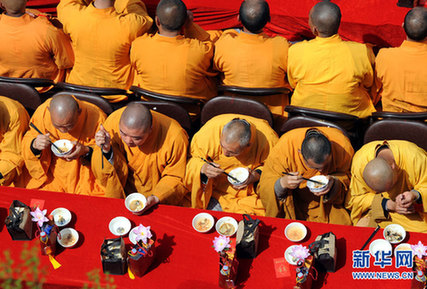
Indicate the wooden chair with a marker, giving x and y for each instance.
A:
(26, 95)
(102, 103)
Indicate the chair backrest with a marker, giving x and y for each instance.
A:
(92, 98)
(414, 116)
(172, 110)
(165, 97)
(389, 129)
(26, 95)
(100, 91)
(226, 104)
(33, 82)
(308, 121)
(223, 89)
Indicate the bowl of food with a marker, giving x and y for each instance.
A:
(319, 185)
(203, 222)
(64, 146)
(61, 217)
(119, 226)
(135, 203)
(240, 174)
(394, 233)
(403, 247)
(379, 245)
(295, 232)
(288, 256)
(68, 237)
(226, 226)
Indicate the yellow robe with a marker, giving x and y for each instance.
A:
(101, 40)
(402, 77)
(331, 74)
(157, 168)
(412, 163)
(49, 172)
(206, 143)
(300, 203)
(13, 124)
(33, 48)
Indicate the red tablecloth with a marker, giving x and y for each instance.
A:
(185, 259)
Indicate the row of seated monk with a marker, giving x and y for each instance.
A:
(182, 59)
(138, 150)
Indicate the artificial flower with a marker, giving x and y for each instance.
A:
(143, 233)
(419, 250)
(221, 243)
(39, 216)
(299, 252)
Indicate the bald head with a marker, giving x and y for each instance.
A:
(326, 18)
(171, 14)
(64, 112)
(237, 131)
(415, 24)
(378, 175)
(14, 7)
(315, 146)
(254, 15)
(136, 116)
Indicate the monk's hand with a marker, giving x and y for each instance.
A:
(253, 178)
(291, 182)
(151, 202)
(103, 139)
(77, 151)
(405, 202)
(41, 142)
(331, 181)
(211, 171)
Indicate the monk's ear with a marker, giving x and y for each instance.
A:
(238, 18)
(156, 19)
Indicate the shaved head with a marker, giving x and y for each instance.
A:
(14, 6)
(237, 131)
(64, 112)
(171, 14)
(378, 175)
(136, 116)
(415, 24)
(315, 146)
(326, 18)
(254, 15)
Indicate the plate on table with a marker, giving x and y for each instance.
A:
(119, 226)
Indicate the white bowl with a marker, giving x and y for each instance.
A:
(379, 245)
(203, 222)
(61, 217)
(135, 203)
(226, 226)
(64, 145)
(295, 232)
(242, 174)
(68, 237)
(288, 256)
(394, 233)
(119, 226)
(403, 247)
(314, 187)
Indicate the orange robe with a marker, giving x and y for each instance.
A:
(101, 40)
(13, 124)
(402, 77)
(177, 65)
(331, 74)
(49, 172)
(301, 203)
(33, 48)
(206, 143)
(157, 168)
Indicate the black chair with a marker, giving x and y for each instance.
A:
(307, 121)
(411, 116)
(44, 87)
(92, 98)
(226, 104)
(246, 91)
(24, 94)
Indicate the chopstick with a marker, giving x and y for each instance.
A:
(57, 148)
(370, 237)
(228, 175)
(308, 180)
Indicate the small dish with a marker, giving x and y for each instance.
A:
(61, 217)
(132, 235)
(403, 247)
(394, 233)
(315, 187)
(226, 226)
(203, 222)
(242, 174)
(64, 145)
(295, 232)
(135, 203)
(288, 256)
(119, 226)
(379, 245)
(67, 237)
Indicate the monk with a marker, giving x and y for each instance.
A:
(143, 151)
(389, 185)
(101, 33)
(170, 63)
(63, 117)
(251, 58)
(31, 47)
(229, 141)
(304, 153)
(401, 71)
(328, 73)
(13, 124)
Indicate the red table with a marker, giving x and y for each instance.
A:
(185, 259)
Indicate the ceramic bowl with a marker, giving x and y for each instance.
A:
(394, 233)
(119, 226)
(68, 237)
(226, 226)
(203, 222)
(61, 217)
(64, 145)
(315, 187)
(135, 203)
(379, 245)
(288, 256)
(295, 232)
(242, 174)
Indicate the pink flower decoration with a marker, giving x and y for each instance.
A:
(39, 216)
(143, 234)
(419, 250)
(300, 252)
(221, 243)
